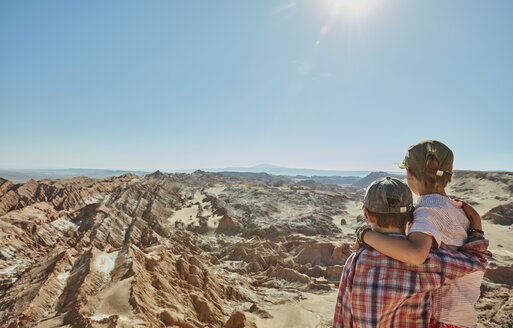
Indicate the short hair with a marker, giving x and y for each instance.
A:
(429, 177)
(397, 220)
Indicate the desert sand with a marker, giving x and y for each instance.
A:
(204, 250)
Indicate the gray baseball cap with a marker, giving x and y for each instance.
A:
(417, 154)
(378, 192)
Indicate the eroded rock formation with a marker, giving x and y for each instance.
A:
(198, 250)
(160, 250)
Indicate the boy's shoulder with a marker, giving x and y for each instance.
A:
(369, 262)
(369, 257)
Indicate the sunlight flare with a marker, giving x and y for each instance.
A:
(352, 8)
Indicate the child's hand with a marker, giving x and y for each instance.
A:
(472, 215)
(356, 246)
(360, 231)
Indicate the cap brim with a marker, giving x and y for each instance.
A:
(400, 165)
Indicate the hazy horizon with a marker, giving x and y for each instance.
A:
(253, 168)
(328, 85)
(392, 168)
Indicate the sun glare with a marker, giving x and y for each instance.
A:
(352, 8)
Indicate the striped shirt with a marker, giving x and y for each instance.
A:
(441, 218)
(378, 291)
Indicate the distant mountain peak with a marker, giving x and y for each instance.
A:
(266, 166)
(366, 181)
(156, 174)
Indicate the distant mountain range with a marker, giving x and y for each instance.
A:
(279, 170)
(21, 176)
(258, 172)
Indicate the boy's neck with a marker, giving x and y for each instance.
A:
(397, 230)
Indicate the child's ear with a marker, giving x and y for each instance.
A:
(369, 216)
(408, 175)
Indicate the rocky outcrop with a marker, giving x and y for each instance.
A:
(238, 320)
(500, 274)
(502, 214)
(324, 254)
(228, 225)
(5, 185)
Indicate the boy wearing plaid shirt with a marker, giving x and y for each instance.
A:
(378, 291)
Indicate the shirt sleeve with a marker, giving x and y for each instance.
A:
(424, 221)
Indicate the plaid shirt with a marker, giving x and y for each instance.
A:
(378, 291)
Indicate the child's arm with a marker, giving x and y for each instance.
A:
(412, 250)
(415, 249)
(473, 216)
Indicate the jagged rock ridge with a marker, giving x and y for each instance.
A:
(160, 250)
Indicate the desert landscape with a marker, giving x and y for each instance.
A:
(204, 163)
(205, 249)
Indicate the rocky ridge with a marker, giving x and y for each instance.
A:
(160, 250)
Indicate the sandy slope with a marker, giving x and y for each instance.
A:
(311, 310)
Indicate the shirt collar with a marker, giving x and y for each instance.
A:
(432, 198)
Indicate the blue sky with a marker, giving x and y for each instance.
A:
(328, 84)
